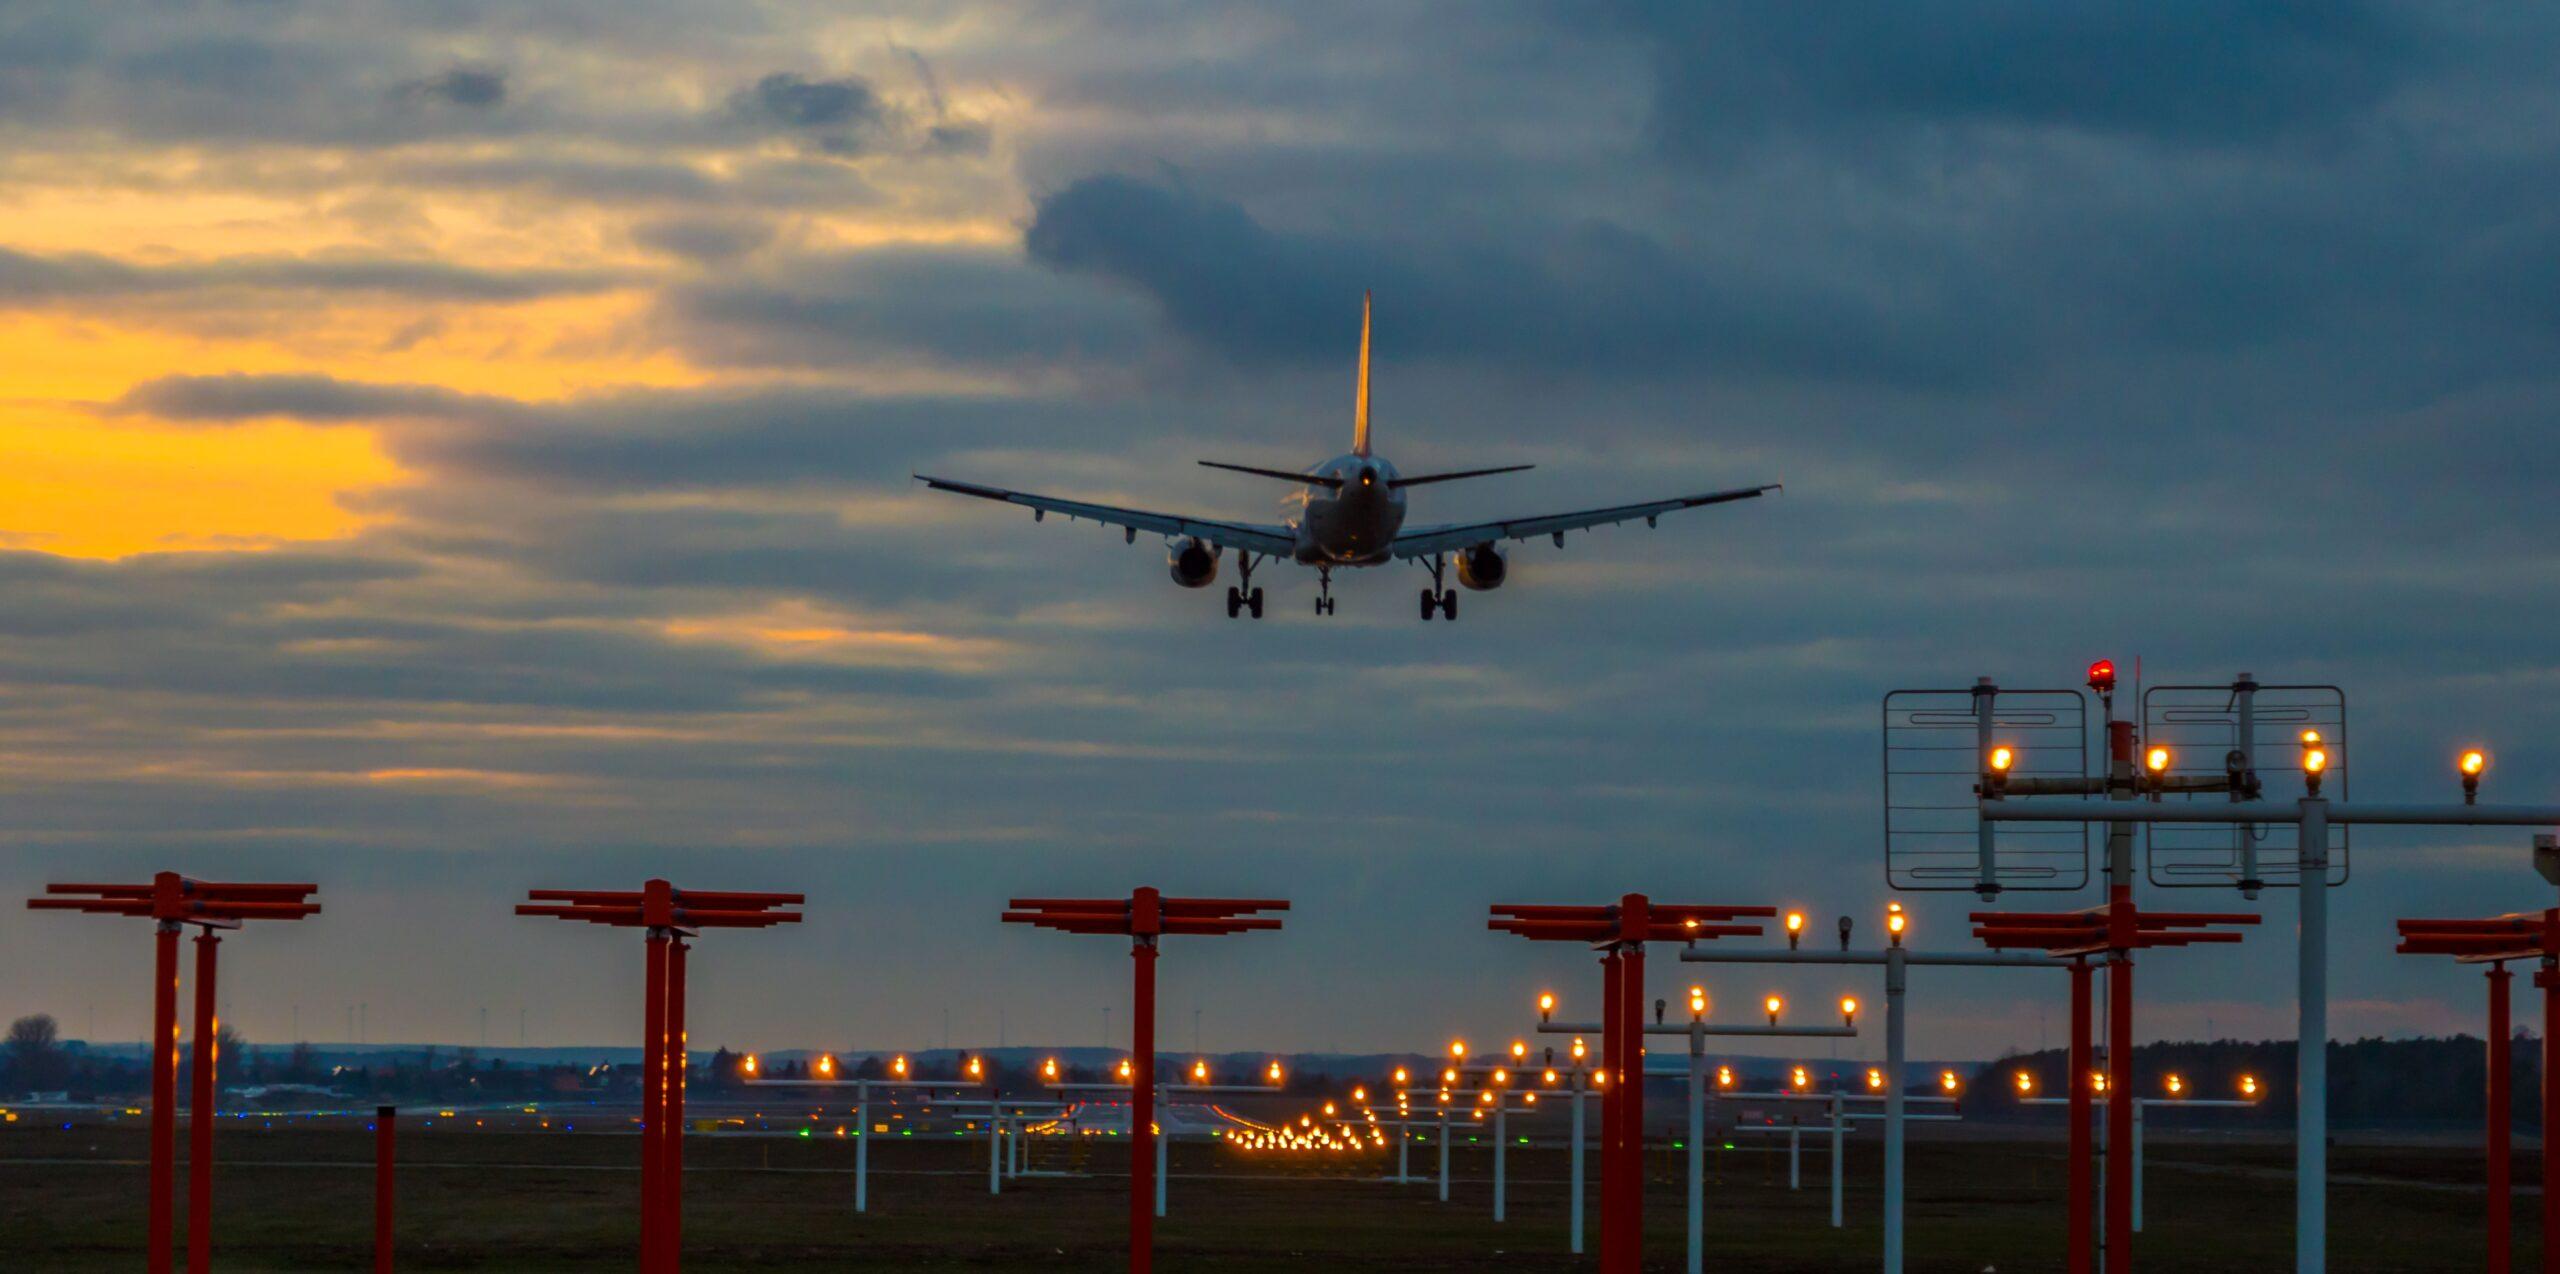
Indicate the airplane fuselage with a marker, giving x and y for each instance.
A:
(1354, 524)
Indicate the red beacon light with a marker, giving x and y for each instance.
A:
(2102, 676)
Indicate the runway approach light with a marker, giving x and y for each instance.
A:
(749, 1066)
(1577, 1048)
(1359, 1094)
(977, 1067)
(1895, 922)
(2097, 1081)
(1724, 1077)
(1546, 1005)
(1199, 1070)
(1795, 929)
(898, 1066)
(1996, 766)
(1875, 1079)
(2472, 764)
(1519, 1050)
(1697, 1002)
(2315, 762)
(1802, 1078)
(1849, 1010)
(2248, 1085)
(1449, 1076)
(1274, 1072)
(1400, 1077)
(2102, 676)
(2177, 1087)
(1458, 1049)
(1774, 1005)
(1049, 1070)
(1126, 1070)
(827, 1067)
(1501, 1076)
(2026, 1083)
(2156, 760)
(1947, 1080)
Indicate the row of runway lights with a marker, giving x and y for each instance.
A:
(1344, 1137)
(2317, 755)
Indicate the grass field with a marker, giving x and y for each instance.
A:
(300, 1199)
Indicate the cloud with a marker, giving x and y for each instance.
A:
(29, 278)
(1592, 293)
(473, 88)
(795, 101)
(2181, 73)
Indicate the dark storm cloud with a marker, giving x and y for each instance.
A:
(233, 397)
(962, 307)
(704, 238)
(652, 440)
(30, 279)
(2185, 72)
(474, 88)
(1591, 293)
(796, 101)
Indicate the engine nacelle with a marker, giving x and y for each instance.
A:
(1482, 567)
(1194, 564)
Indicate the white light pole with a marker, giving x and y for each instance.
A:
(2313, 815)
(1697, 1031)
(1896, 961)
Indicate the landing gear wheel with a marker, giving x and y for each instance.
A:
(1324, 591)
(1253, 602)
(1430, 603)
(1235, 601)
(1449, 605)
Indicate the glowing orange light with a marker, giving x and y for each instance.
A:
(2003, 757)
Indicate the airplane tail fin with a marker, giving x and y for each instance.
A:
(1360, 413)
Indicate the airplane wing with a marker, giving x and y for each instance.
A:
(1423, 541)
(1275, 541)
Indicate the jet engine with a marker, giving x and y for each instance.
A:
(1482, 567)
(1194, 563)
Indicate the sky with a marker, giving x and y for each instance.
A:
(449, 448)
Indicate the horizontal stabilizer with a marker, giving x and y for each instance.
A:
(1308, 479)
(1452, 477)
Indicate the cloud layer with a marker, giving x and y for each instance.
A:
(607, 336)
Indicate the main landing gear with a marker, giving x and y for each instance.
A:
(1437, 597)
(1245, 597)
(1324, 590)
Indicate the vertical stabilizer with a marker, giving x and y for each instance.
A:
(1360, 413)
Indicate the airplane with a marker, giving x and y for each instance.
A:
(1351, 515)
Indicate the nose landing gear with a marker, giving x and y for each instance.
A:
(1244, 596)
(1324, 590)
(1437, 597)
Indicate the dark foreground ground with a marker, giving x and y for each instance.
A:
(301, 1199)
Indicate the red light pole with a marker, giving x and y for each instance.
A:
(2114, 932)
(173, 901)
(1144, 916)
(2530, 936)
(1619, 931)
(670, 915)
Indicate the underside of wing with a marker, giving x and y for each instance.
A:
(1243, 536)
(1423, 541)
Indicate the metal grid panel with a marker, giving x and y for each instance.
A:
(2200, 725)
(1932, 761)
